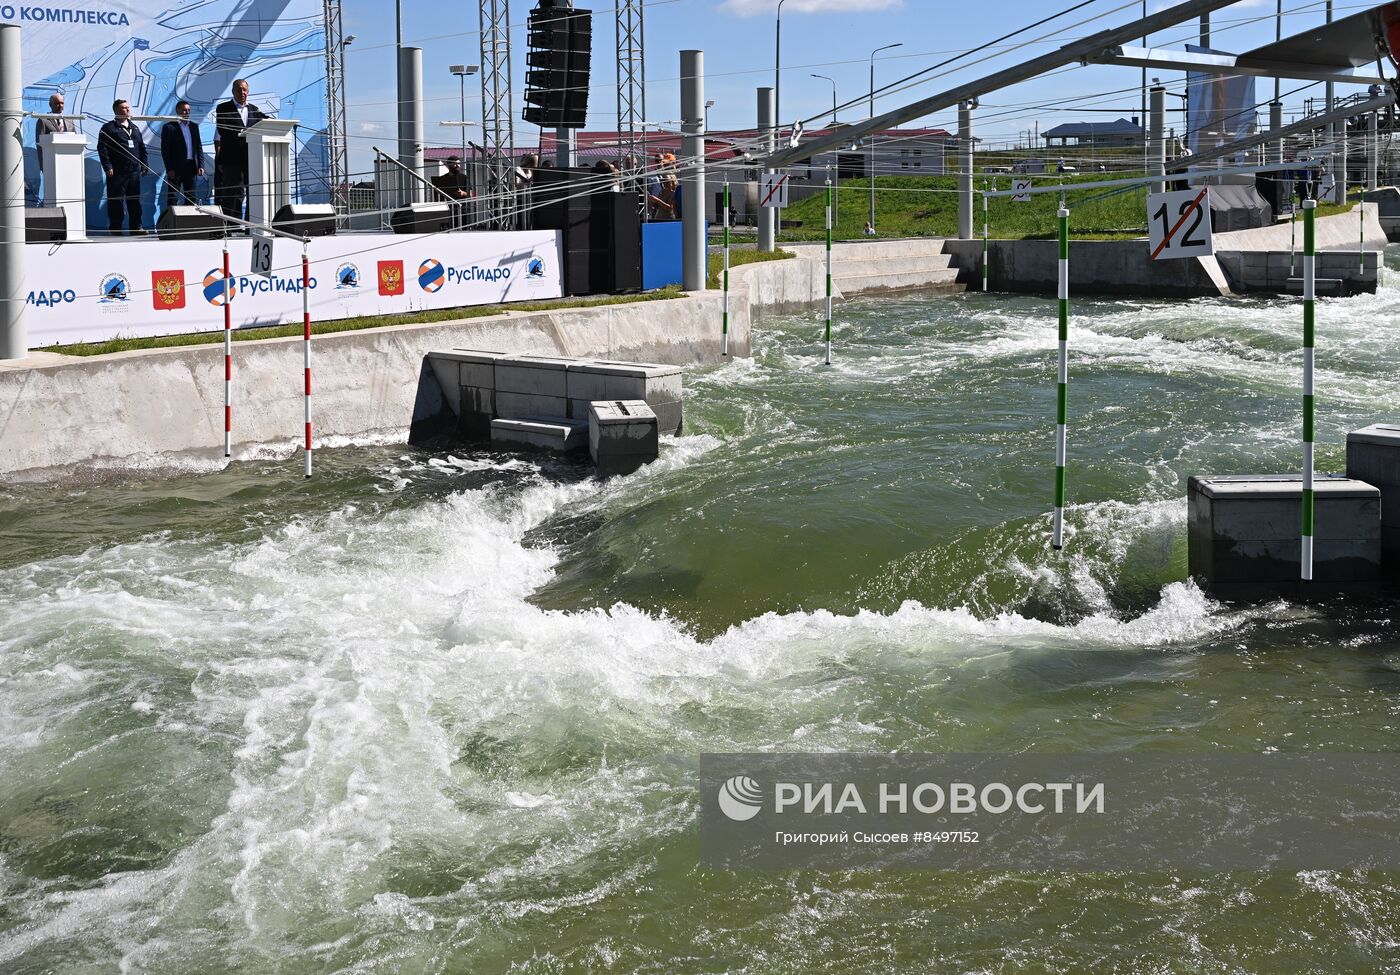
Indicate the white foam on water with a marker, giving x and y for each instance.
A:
(353, 656)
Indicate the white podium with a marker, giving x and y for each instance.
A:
(64, 179)
(269, 168)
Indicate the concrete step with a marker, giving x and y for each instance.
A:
(872, 249)
(889, 265)
(540, 432)
(934, 279)
(1323, 286)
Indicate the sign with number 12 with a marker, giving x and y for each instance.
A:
(1178, 224)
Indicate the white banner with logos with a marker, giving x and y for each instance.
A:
(98, 290)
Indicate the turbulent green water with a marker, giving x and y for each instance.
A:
(439, 711)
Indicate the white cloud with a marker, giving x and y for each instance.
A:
(754, 8)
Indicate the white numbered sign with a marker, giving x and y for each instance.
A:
(1178, 224)
(773, 190)
(1022, 187)
(262, 256)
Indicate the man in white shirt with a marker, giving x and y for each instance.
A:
(182, 151)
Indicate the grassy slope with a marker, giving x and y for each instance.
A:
(927, 206)
(737, 257)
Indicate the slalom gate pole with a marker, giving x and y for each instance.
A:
(306, 345)
(1292, 243)
(986, 246)
(828, 267)
(1062, 388)
(724, 333)
(1361, 238)
(1309, 312)
(228, 356)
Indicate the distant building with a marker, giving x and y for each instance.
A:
(1118, 133)
(896, 152)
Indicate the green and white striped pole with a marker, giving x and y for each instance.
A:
(1062, 390)
(724, 339)
(828, 266)
(1293, 243)
(1309, 312)
(986, 247)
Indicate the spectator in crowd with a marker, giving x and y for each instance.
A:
(122, 152)
(454, 185)
(182, 152)
(231, 118)
(869, 229)
(606, 171)
(525, 172)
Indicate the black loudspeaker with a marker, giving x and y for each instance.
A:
(190, 223)
(306, 219)
(602, 231)
(422, 218)
(45, 225)
(560, 41)
(625, 224)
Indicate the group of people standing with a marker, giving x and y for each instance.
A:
(121, 151)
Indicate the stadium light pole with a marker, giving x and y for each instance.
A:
(778, 70)
(872, 135)
(463, 72)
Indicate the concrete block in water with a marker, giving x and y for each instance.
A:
(540, 433)
(1243, 534)
(656, 385)
(622, 435)
(467, 378)
(1373, 456)
(533, 374)
(530, 404)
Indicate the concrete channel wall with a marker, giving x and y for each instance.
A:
(1248, 261)
(163, 408)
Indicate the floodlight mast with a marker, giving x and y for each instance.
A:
(1083, 50)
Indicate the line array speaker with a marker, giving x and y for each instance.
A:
(560, 40)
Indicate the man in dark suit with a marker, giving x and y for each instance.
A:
(122, 152)
(43, 127)
(183, 154)
(231, 149)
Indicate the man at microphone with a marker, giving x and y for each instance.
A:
(231, 118)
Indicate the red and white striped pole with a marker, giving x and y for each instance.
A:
(306, 344)
(228, 356)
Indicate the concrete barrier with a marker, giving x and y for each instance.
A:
(66, 417)
(1243, 535)
(1096, 267)
(1373, 455)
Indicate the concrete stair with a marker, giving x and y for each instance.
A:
(887, 265)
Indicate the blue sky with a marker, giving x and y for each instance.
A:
(831, 37)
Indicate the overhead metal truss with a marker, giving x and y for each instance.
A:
(1232, 64)
(337, 142)
(1326, 52)
(497, 113)
(631, 86)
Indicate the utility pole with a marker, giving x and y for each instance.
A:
(765, 133)
(14, 341)
(693, 250)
